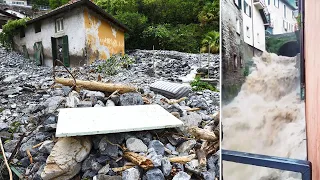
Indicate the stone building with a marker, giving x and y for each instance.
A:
(232, 48)
(77, 33)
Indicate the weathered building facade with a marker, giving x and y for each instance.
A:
(77, 33)
(232, 48)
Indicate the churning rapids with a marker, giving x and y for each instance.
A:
(267, 117)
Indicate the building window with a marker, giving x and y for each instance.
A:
(235, 62)
(241, 62)
(238, 3)
(284, 11)
(248, 32)
(22, 33)
(238, 25)
(276, 3)
(247, 9)
(59, 25)
(37, 27)
(269, 2)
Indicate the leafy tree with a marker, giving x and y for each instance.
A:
(57, 3)
(210, 13)
(40, 2)
(211, 42)
(136, 23)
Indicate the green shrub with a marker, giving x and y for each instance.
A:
(112, 65)
(198, 85)
(9, 30)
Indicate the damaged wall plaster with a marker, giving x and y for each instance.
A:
(102, 39)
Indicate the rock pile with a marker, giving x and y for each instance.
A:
(29, 108)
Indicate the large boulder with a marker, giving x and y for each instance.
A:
(64, 161)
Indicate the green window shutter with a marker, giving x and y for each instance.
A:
(65, 51)
(54, 49)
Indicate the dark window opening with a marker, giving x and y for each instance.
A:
(22, 33)
(235, 62)
(37, 27)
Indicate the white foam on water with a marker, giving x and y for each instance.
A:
(267, 117)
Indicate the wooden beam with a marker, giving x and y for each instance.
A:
(312, 66)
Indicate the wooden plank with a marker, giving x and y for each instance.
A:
(312, 66)
(104, 120)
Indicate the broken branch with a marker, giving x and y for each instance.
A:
(97, 86)
(193, 109)
(37, 145)
(174, 101)
(139, 160)
(182, 159)
(5, 160)
(202, 134)
(202, 157)
(123, 168)
(30, 156)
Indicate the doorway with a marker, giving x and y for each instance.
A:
(60, 50)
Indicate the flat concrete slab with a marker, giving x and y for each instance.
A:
(104, 120)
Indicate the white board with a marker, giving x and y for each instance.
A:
(104, 120)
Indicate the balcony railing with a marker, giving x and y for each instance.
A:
(294, 165)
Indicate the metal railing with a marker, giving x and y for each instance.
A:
(294, 165)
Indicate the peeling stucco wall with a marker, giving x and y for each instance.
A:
(102, 38)
(73, 28)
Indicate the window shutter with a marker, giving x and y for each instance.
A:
(65, 51)
(54, 49)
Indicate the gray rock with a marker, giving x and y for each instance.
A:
(87, 163)
(10, 145)
(89, 174)
(4, 127)
(154, 174)
(181, 176)
(157, 146)
(136, 145)
(53, 103)
(129, 99)
(213, 160)
(95, 166)
(28, 146)
(166, 166)
(97, 94)
(208, 175)
(193, 166)
(107, 148)
(156, 160)
(186, 146)
(106, 177)
(131, 174)
(46, 147)
(193, 119)
(110, 103)
(85, 104)
(72, 100)
(10, 79)
(105, 169)
(52, 119)
(10, 92)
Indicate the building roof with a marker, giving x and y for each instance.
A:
(8, 14)
(74, 4)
